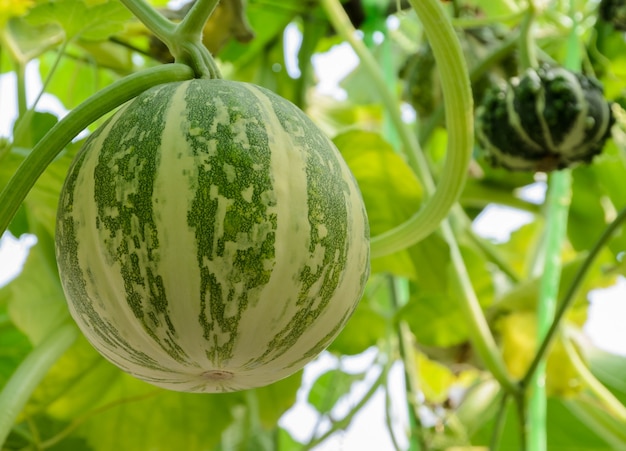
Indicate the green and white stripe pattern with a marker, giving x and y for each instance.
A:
(210, 238)
(549, 118)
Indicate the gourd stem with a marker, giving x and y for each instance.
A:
(528, 54)
(187, 40)
(71, 125)
(184, 40)
(194, 21)
(459, 115)
(29, 374)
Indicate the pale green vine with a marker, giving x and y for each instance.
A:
(459, 118)
(184, 40)
(71, 125)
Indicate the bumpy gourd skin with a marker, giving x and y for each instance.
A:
(546, 119)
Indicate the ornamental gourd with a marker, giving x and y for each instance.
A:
(548, 118)
(210, 238)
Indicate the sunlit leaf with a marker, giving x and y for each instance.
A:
(133, 415)
(390, 190)
(29, 41)
(78, 19)
(276, 398)
(38, 308)
(74, 80)
(362, 331)
(586, 215)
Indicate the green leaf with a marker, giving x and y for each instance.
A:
(135, 416)
(363, 330)
(14, 346)
(75, 385)
(285, 442)
(28, 41)
(390, 191)
(524, 295)
(586, 214)
(435, 320)
(38, 125)
(37, 308)
(268, 23)
(43, 199)
(74, 80)
(275, 399)
(97, 22)
(565, 431)
(330, 387)
(609, 368)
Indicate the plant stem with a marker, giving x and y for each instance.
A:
(479, 332)
(194, 21)
(23, 124)
(570, 296)
(71, 125)
(29, 374)
(486, 63)
(20, 79)
(417, 441)
(608, 400)
(345, 421)
(528, 55)
(498, 426)
(186, 42)
(559, 197)
(459, 115)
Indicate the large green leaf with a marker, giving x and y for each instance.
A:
(586, 215)
(74, 80)
(37, 308)
(364, 329)
(390, 190)
(77, 18)
(29, 41)
(565, 431)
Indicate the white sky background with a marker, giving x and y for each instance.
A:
(368, 431)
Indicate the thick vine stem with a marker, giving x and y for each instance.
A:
(29, 374)
(160, 26)
(184, 40)
(76, 121)
(459, 118)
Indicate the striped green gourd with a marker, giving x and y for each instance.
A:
(210, 238)
(546, 119)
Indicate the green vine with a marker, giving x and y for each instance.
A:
(71, 125)
(459, 117)
(184, 40)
